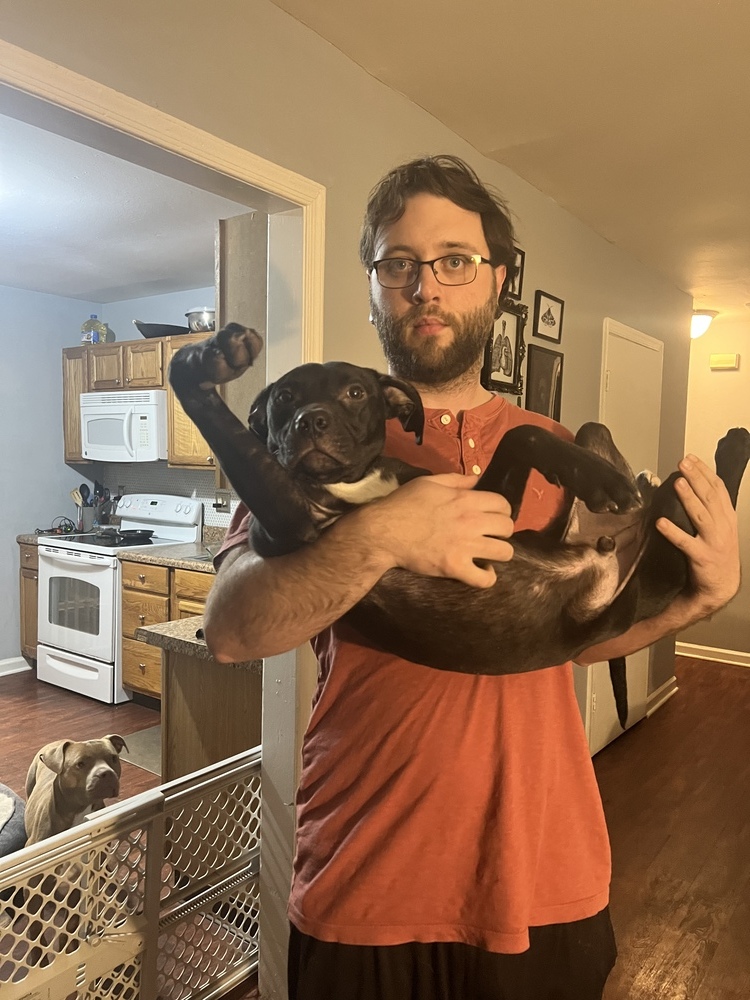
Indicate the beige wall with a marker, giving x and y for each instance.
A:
(717, 401)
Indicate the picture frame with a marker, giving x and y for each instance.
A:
(548, 316)
(515, 288)
(544, 373)
(505, 350)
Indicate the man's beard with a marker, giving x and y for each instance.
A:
(427, 362)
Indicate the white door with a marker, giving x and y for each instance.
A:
(630, 405)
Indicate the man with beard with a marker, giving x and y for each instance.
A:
(450, 840)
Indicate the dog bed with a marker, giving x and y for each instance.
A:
(12, 829)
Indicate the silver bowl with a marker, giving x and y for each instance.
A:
(201, 320)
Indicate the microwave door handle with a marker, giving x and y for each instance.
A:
(128, 428)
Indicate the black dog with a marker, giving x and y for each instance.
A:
(313, 452)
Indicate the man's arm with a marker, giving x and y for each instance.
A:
(714, 558)
(435, 525)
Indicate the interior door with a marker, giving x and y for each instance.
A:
(630, 405)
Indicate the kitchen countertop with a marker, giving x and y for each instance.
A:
(187, 556)
(179, 637)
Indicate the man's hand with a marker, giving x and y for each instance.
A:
(439, 525)
(713, 554)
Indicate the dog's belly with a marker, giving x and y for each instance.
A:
(538, 614)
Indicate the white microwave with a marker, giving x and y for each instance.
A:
(124, 426)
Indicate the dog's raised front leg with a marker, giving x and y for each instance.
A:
(268, 489)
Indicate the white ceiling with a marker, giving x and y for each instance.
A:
(83, 224)
(631, 114)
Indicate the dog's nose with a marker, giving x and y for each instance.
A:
(312, 420)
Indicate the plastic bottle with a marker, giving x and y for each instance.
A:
(93, 331)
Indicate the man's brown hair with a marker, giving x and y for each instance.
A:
(446, 177)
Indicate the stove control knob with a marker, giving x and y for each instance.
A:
(187, 509)
(178, 508)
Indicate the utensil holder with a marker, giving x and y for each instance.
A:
(87, 518)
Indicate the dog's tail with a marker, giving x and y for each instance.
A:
(618, 676)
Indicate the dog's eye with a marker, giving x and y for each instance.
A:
(284, 396)
(355, 392)
(80, 764)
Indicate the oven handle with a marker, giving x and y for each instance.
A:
(67, 555)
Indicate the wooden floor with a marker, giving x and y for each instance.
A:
(676, 791)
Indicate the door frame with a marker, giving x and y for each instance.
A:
(50, 96)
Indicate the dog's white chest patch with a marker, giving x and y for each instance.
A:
(371, 487)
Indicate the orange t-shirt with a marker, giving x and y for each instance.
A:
(439, 806)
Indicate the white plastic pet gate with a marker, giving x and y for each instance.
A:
(154, 897)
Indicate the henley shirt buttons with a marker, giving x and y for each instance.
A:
(445, 419)
(471, 443)
(476, 469)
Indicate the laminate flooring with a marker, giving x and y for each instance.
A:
(676, 792)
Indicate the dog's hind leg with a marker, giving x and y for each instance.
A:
(594, 479)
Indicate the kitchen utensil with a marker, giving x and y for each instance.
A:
(75, 496)
(150, 330)
(136, 534)
(85, 494)
(201, 320)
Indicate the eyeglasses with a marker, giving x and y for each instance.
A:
(401, 272)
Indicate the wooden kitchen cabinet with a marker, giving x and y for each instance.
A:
(106, 367)
(145, 601)
(29, 585)
(186, 447)
(152, 595)
(75, 369)
(143, 364)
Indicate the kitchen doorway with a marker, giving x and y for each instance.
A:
(48, 96)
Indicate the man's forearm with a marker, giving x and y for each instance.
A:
(685, 610)
(260, 607)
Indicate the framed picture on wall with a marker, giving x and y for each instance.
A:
(515, 287)
(505, 350)
(548, 316)
(544, 372)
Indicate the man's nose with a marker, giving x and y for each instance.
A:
(427, 286)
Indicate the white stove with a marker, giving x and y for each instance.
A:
(80, 593)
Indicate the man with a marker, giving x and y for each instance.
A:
(451, 841)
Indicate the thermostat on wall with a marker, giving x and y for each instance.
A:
(724, 362)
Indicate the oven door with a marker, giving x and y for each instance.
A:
(77, 601)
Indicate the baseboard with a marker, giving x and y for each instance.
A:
(13, 665)
(734, 656)
(661, 696)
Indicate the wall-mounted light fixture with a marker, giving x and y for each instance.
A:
(702, 319)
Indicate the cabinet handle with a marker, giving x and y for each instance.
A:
(141, 618)
(127, 380)
(210, 459)
(143, 667)
(27, 555)
(142, 577)
(35, 578)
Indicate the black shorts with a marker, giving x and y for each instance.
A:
(563, 962)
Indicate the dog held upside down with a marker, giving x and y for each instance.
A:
(312, 452)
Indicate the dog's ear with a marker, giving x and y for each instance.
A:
(258, 419)
(118, 743)
(403, 401)
(54, 758)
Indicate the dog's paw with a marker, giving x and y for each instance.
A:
(222, 358)
(607, 490)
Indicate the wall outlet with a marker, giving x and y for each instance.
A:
(222, 501)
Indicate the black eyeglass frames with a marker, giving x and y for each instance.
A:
(453, 269)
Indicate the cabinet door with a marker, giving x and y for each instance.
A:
(29, 596)
(75, 369)
(106, 367)
(141, 667)
(183, 607)
(142, 609)
(185, 446)
(143, 364)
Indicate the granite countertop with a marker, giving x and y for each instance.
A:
(179, 637)
(191, 555)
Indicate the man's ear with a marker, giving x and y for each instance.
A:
(403, 401)
(258, 419)
(501, 274)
